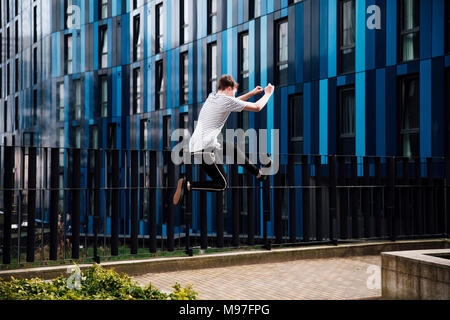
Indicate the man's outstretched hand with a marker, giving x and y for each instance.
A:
(257, 90)
(269, 89)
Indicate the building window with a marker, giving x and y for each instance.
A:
(243, 62)
(212, 67)
(212, 16)
(159, 84)
(184, 78)
(159, 26)
(103, 9)
(35, 65)
(77, 85)
(184, 21)
(16, 113)
(137, 3)
(35, 107)
(8, 43)
(7, 11)
(61, 146)
(103, 45)
(409, 116)
(16, 76)
(295, 124)
(409, 30)
(347, 18)
(1, 45)
(16, 7)
(346, 121)
(8, 79)
(68, 54)
(167, 127)
(93, 137)
(137, 39)
(104, 96)
(68, 13)
(77, 137)
(136, 91)
(254, 9)
(5, 115)
(281, 52)
(144, 134)
(35, 24)
(1, 81)
(112, 136)
(16, 40)
(60, 99)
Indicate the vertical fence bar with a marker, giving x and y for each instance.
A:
(202, 210)
(355, 199)
(54, 182)
(390, 208)
(76, 184)
(343, 199)
(97, 171)
(292, 202)
(266, 212)
(418, 195)
(306, 174)
(115, 202)
(447, 197)
(134, 201)
(8, 183)
(431, 210)
(250, 210)
(236, 205)
(153, 208)
(188, 213)
(170, 209)
(366, 199)
(278, 223)
(378, 200)
(333, 197)
(408, 213)
(219, 219)
(319, 197)
(31, 232)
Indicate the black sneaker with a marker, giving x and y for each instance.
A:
(181, 189)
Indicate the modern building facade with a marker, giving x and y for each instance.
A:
(353, 77)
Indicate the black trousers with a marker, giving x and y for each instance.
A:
(216, 171)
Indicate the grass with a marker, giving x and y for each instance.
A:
(86, 256)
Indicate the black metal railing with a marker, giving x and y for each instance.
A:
(68, 203)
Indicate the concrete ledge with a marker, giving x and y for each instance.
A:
(159, 265)
(413, 275)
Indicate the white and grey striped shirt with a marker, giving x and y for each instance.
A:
(211, 120)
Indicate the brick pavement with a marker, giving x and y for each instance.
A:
(308, 279)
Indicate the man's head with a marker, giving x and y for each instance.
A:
(227, 85)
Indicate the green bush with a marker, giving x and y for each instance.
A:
(96, 283)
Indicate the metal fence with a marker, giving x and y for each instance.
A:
(67, 203)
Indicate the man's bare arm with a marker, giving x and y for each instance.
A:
(259, 105)
(246, 96)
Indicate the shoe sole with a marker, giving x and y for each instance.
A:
(177, 195)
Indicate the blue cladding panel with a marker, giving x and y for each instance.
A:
(360, 35)
(323, 117)
(391, 32)
(438, 27)
(381, 112)
(360, 116)
(332, 36)
(425, 108)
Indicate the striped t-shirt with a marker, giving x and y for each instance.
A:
(211, 120)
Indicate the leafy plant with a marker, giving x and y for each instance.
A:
(96, 283)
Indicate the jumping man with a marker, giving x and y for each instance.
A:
(211, 120)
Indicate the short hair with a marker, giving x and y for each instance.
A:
(227, 81)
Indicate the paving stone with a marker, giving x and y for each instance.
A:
(307, 279)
